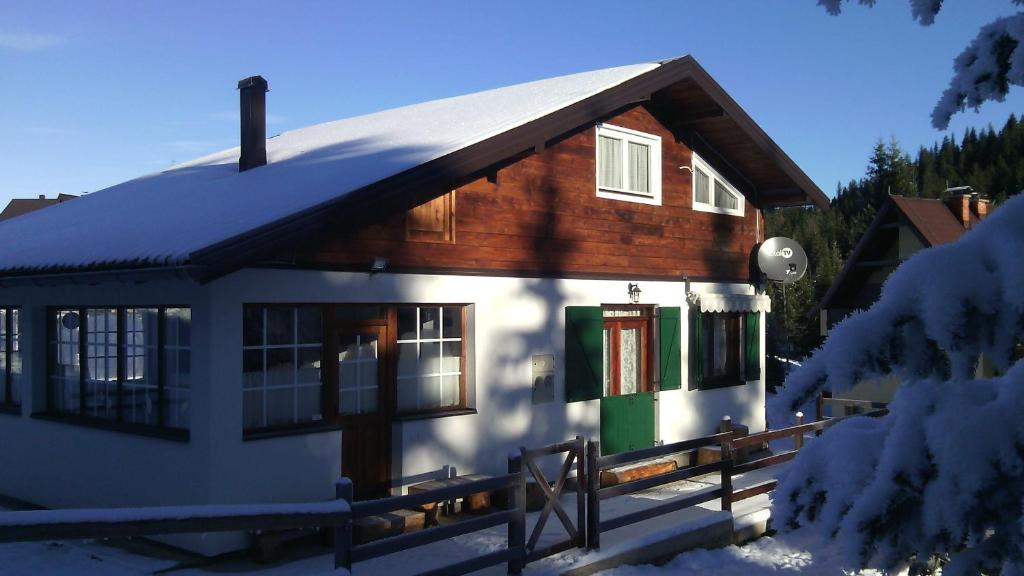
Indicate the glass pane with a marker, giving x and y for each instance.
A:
(252, 409)
(309, 403)
(252, 326)
(368, 374)
(178, 323)
(407, 323)
(408, 360)
(407, 395)
(348, 402)
(720, 343)
(452, 321)
(606, 348)
(139, 402)
(309, 365)
(609, 162)
(639, 167)
(430, 323)
(451, 359)
(280, 325)
(368, 347)
(252, 368)
(630, 355)
(310, 325)
(702, 184)
(430, 392)
(368, 400)
(430, 358)
(724, 198)
(450, 390)
(281, 367)
(280, 406)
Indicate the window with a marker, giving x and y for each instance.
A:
(433, 221)
(628, 165)
(431, 358)
(10, 357)
(712, 193)
(129, 365)
(725, 348)
(282, 351)
(625, 352)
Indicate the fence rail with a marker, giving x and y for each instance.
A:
(342, 512)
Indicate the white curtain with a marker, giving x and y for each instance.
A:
(609, 162)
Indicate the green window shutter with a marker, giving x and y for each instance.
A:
(752, 345)
(670, 348)
(584, 353)
(696, 348)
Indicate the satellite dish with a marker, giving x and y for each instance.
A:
(782, 260)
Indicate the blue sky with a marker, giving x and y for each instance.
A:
(95, 93)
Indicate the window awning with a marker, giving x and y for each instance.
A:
(735, 303)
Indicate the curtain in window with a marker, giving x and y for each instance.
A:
(639, 167)
(724, 198)
(609, 162)
(630, 350)
(703, 192)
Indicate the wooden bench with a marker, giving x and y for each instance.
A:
(475, 503)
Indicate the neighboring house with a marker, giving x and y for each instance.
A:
(901, 227)
(394, 295)
(19, 206)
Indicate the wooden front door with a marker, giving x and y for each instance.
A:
(627, 405)
(360, 373)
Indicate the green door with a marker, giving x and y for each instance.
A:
(627, 422)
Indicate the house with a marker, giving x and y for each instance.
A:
(19, 206)
(902, 226)
(396, 295)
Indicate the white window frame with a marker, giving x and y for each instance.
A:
(653, 197)
(714, 177)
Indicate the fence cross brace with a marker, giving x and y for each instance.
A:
(551, 497)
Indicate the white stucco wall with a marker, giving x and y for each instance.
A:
(59, 464)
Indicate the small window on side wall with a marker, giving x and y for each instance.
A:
(724, 349)
(712, 192)
(628, 165)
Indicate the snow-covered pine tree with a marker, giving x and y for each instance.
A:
(985, 70)
(941, 476)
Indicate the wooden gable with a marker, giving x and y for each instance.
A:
(540, 215)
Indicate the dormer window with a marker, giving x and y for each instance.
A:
(712, 192)
(628, 165)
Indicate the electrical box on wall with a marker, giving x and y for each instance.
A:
(543, 378)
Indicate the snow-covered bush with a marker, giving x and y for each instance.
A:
(942, 476)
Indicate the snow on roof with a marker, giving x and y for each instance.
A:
(160, 219)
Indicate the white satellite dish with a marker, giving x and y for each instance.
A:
(781, 259)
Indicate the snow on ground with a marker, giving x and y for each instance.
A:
(800, 552)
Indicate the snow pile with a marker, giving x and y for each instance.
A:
(943, 474)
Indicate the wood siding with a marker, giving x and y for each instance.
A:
(541, 216)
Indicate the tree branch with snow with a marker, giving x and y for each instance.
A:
(942, 476)
(985, 70)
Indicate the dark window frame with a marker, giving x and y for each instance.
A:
(160, 429)
(735, 343)
(8, 404)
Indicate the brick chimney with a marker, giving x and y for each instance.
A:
(253, 101)
(959, 203)
(980, 206)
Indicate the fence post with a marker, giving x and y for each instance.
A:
(726, 472)
(820, 408)
(798, 438)
(343, 532)
(593, 502)
(517, 526)
(581, 487)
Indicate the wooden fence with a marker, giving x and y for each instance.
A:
(342, 512)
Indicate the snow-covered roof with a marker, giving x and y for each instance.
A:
(163, 218)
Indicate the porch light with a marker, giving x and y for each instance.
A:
(634, 293)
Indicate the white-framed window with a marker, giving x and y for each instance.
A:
(712, 192)
(628, 165)
(431, 353)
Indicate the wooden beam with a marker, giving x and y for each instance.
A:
(700, 115)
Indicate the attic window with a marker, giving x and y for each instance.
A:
(712, 192)
(628, 165)
(433, 221)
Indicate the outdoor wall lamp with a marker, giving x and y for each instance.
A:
(634, 293)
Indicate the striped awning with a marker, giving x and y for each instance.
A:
(735, 303)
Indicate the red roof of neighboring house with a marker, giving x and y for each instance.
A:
(19, 206)
(933, 219)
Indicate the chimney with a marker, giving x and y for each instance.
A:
(959, 203)
(253, 101)
(979, 205)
